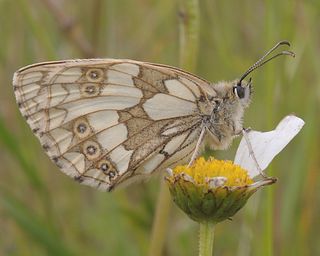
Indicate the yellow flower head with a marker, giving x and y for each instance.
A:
(201, 170)
(212, 190)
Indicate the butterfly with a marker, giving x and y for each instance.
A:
(109, 122)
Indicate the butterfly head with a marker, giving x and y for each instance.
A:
(231, 100)
(241, 88)
(227, 111)
(232, 96)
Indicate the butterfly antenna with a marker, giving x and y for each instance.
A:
(263, 59)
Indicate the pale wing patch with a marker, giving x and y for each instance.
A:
(151, 164)
(178, 150)
(62, 137)
(191, 85)
(186, 148)
(56, 117)
(94, 173)
(29, 91)
(86, 106)
(129, 68)
(113, 136)
(183, 152)
(123, 91)
(103, 119)
(50, 73)
(121, 157)
(70, 75)
(64, 92)
(72, 164)
(38, 122)
(34, 104)
(94, 178)
(116, 77)
(58, 94)
(31, 78)
(91, 173)
(177, 88)
(175, 143)
(90, 178)
(163, 106)
(182, 156)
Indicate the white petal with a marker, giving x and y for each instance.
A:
(266, 145)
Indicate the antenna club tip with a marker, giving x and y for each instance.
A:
(284, 42)
(290, 53)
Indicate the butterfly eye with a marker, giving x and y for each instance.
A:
(239, 91)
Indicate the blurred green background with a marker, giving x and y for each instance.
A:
(43, 212)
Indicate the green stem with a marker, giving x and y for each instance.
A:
(160, 221)
(206, 237)
(189, 34)
(267, 237)
(269, 222)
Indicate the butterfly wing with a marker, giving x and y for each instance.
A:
(105, 121)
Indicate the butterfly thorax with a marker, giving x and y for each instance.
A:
(225, 120)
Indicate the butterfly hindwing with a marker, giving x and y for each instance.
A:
(107, 121)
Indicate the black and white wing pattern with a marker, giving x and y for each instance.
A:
(105, 121)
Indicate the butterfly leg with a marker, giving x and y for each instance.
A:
(196, 150)
(245, 132)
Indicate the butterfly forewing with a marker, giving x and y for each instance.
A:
(105, 121)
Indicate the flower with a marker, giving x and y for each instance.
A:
(214, 190)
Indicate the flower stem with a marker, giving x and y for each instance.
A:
(206, 237)
(267, 215)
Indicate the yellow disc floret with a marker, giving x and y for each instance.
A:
(201, 170)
